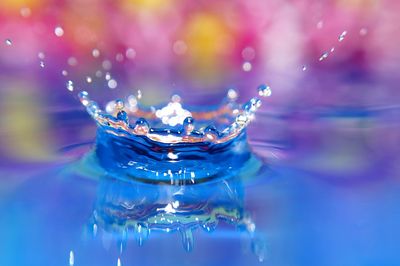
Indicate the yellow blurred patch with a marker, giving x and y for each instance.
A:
(209, 41)
(147, 6)
(15, 5)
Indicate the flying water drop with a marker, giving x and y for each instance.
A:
(41, 64)
(323, 56)
(70, 85)
(88, 79)
(112, 83)
(264, 90)
(342, 36)
(95, 53)
(247, 66)
(304, 68)
(8, 42)
(58, 31)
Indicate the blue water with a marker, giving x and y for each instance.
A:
(325, 195)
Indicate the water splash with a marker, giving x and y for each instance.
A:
(169, 143)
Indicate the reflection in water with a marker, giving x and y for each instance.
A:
(132, 210)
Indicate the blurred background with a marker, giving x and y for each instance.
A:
(333, 67)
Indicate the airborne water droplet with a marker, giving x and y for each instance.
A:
(88, 79)
(342, 36)
(58, 31)
(95, 53)
(304, 68)
(112, 84)
(8, 42)
(70, 85)
(41, 55)
(264, 90)
(323, 56)
(41, 64)
(247, 66)
(64, 73)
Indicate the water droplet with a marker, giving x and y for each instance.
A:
(188, 125)
(8, 42)
(41, 64)
(130, 53)
(323, 56)
(41, 55)
(107, 76)
(241, 119)
(264, 90)
(70, 85)
(119, 104)
(304, 68)
(88, 79)
(99, 73)
(332, 49)
(139, 94)
(232, 94)
(342, 36)
(175, 98)
(95, 53)
(84, 97)
(172, 156)
(211, 132)
(247, 66)
(64, 73)
(123, 116)
(71, 258)
(25, 12)
(248, 53)
(119, 262)
(142, 126)
(180, 47)
(58, 31)
(112, 84)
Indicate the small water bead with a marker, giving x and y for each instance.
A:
(112, 84)
(211, 133)
(119, 104)
(92, 108)
(175, 98)
(142, 126)
(323, 56)
(342, 36)
(98, 73)
(64, 73)
(139, 94)
(84, 97)
(264, 90)
(232, 94)
(70, 85)
(304, 68)
(247, 66)
(58, 31)
(332, 49)
(88, 79)
(95, 53)
(42, 65)
(242, 119)
(130, 53)
(8, 42)
(107, 76)
(188, 125)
